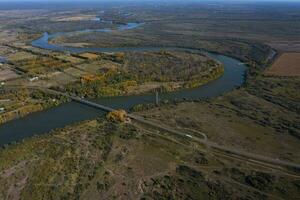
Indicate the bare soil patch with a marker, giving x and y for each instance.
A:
(288, 64)
(7, 74)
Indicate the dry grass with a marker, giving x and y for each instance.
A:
(62, 78)
(19, 56)
(74, 18)
(96, 66)
(89, 56)
(71, 59)
(229, 125)
(75, 72)
(288, 64)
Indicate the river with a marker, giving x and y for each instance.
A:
(72, 112)
(2, 60)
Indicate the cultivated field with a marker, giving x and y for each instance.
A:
(288, 64)
(19, 56)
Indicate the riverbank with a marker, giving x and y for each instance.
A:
(108, 75)
(262, 116)
(236, 137)
(18, 102)
(80, 74)
(115, 162)
(241, 119)
(71, 112)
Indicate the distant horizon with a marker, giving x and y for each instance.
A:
(96, 4)
(99, 1)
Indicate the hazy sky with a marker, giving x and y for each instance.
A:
(99, 1)
(140, 0)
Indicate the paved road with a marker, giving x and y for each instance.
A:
(228, 150)
(249, 156)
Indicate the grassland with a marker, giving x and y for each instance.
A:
(262, 116)
(131, 161)
(197, 20)
(100, 158)
(199, 26)
(128, 161)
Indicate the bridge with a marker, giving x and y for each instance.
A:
(227, 151)
(80, 100)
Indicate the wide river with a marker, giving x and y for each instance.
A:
(72, 112)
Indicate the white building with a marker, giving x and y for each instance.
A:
(34, 79)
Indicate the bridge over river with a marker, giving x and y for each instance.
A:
(234, 153)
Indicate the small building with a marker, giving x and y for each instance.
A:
(34, 79)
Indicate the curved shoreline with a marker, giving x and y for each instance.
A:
(43, 42)
(69, 113)
(72, 112)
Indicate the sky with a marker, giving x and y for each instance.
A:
(143, 0)
(181, 1)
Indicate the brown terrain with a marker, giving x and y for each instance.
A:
(286, 65)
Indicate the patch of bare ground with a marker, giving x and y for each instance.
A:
(18, 174)
(15, 190)
(288, 64)
(9, 172)
(7, 74)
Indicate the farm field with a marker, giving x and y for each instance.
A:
(288, 64)
(19, 56)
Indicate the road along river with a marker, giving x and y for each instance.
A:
(72, 112)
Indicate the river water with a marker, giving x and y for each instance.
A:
(72, 112)
(3, 59)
